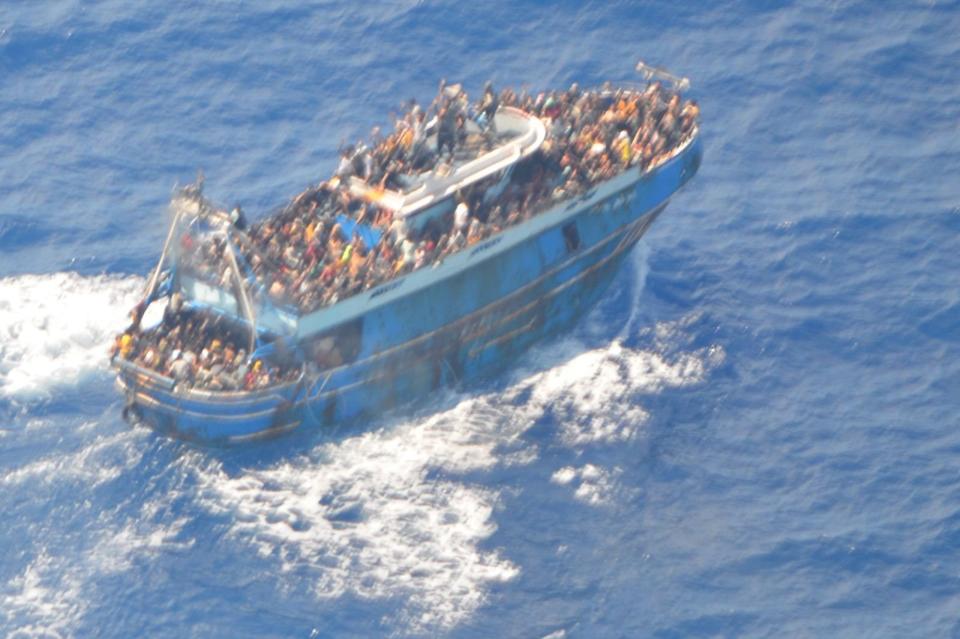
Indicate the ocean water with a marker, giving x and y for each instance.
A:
(755, 433)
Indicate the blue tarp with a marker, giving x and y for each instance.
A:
(369, 235)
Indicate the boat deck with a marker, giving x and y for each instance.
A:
(296, 274)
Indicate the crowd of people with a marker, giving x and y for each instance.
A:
(199, 350)
(303, 257)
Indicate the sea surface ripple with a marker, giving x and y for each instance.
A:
(753, 434)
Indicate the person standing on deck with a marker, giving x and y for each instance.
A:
(488, 108)
(461, 216)
(446, 129)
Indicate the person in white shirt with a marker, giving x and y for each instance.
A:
(461, 215)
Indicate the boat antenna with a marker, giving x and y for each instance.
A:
(649, 72)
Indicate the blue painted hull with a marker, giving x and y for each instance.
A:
(438, 326)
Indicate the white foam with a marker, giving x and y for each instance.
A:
(639, 262)
(53, 593)
(595, 485)
(564, 476)
(372, 521)
(55, 328)
(386, 513)
(103, 459)
(39, 602)
(593, 393)
(136, 536)
(383, 514)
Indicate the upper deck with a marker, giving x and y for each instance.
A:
(517, 135)
(387, 210)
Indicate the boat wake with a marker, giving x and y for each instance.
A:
(392, 511)
(70, 555)
(56, 328)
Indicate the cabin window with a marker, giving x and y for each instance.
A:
(571, 236)
(338, 346)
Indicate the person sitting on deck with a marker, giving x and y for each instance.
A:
(180, 369)
(475, 232)
(124, 345)
(250, 380)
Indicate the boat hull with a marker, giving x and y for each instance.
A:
(452, 330)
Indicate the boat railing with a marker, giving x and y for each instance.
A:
(437, 188)
(650, 72)
(135, 369)
(264, 394)
(195, 394)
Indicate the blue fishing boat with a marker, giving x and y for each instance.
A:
(447, 314)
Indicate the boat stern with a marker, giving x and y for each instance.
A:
(205, 417)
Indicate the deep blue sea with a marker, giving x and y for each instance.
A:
(756, 433)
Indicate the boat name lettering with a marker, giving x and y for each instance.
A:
(386, 288)
(486, 245)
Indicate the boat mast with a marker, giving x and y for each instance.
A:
(155, 277)
(242, 295)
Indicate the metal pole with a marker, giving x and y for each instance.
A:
(155, 277)
(243, 298)
(649, 72)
